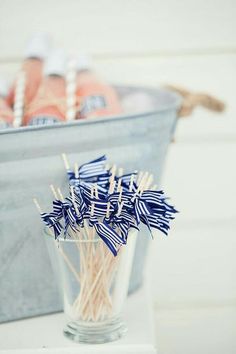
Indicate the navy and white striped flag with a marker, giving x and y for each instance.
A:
(93, 168)
(51, 221)
(109, 236)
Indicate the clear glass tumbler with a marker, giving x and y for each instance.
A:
(94, 285)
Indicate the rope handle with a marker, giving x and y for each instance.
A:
(191, 100)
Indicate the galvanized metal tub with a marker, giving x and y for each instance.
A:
(30, 160)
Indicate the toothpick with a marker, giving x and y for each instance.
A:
(70, 265)
(120, 194)
(108, 209)
(112, 186)
(54, 191)
(92, 192)
(66, 162)
(120, 206)
(97, 278)
(141, 185)
(73, 200)
(95, 188)
(140, 176)
(142, 182)
(120, 173)
(111, 180)
(131, 182)
(149, 181)
(119, 184)
(37, 205)
(92, 209)
(60, 194)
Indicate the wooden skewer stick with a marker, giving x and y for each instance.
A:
(99, 290)
(94, 284)
(111, 180)
(83, 274)
(140, 176)
(68, 262)
(89, 312)
(120, 208)
(95, 188)
(142, 182)
(149, 181)
(73, 200)
(120, 173)
(108, 209)
(60, 194)
(54, 191)
(37, 205)
(104, 294)
(120, 194)
(110, 268)
(65, 160)
(141, 185)
(113, 185)
(131, 182)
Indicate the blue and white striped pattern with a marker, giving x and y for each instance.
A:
(126, 180)
(93, 168)
(99, 208)
(140, 208)
(111, 214)
(109, 236)
(51, 221)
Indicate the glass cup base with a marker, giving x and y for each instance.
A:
(95, 333)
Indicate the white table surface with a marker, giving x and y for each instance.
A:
(44, 334)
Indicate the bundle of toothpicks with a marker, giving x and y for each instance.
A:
(103, 207)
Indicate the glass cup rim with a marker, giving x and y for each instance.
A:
(62, 239)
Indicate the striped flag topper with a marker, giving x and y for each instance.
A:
(110, 202)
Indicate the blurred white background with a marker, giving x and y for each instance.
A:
(153, 42)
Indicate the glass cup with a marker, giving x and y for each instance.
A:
(94, 284)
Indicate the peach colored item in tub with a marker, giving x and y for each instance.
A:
(6, 114)
(50, 101)
(95, 98)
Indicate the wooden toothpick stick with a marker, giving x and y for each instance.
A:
(65, 160)
(108, 209)
(131, 182)
(149, 181)
(60, 194)
(73, 200)
(120, 208)
(140, 176)
(54, 191)
(37, 205)
(120, 194)
(111, 180)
